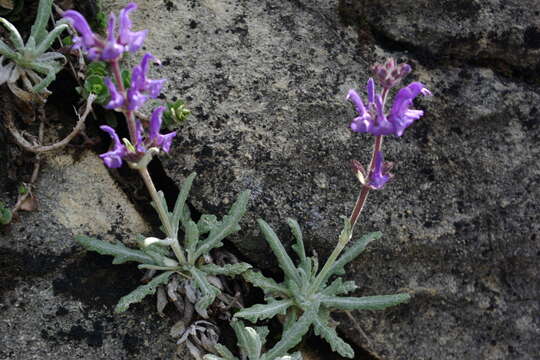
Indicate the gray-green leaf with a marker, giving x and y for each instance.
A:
(227, 269)
(268, 285)
(142, 291)
(377, 302)
(120, 252)
(178, 214)
(265, 311)
(330, 335)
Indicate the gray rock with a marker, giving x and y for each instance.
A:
(266, 82)
(484, 32)
(56, 301)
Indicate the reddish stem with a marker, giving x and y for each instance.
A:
(130, 119)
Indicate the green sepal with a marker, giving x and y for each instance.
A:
(120, 252)
(268, 285)
(265, 311)
(226, 227)
(377, 302)
(330, 335)
(227, 269)
(285, 262)
(142, 291)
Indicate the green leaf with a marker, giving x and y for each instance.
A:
(285, 262)
(293, 335)
(142, 291)
(120, 252)
(290, 318)
(213, 357)
(39, 29)
(209, 291)
(224, 352)
(263, 333)
(268, 285)
(265, 311)
(228, 226)
(299, 246)
(296, 356)
(377, 302)
(179, 212)
(227, 269)
(352, 252)
(49, 38)
(339, 287)
(14, 34)
(248, 340)
(206, 223)
(5, 215)
(191, 240)
(330, 335)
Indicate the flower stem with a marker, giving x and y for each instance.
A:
(130, 118)
(163, 214)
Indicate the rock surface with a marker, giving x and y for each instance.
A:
(266, 82)
(56, 301)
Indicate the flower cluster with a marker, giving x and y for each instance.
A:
(118, 41)
(141, 88)
(373, 119)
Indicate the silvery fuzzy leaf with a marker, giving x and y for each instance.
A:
(213, 357)
(226, 227)
(227, 269)
(206, 223)
(377, 302)
(44, 12)
(295, 356)
(142, 291)
(330, 335)
(299, 246)
(249, 341)
(7, 51)
(285, 262)
(191, 240)
(290, 318)
(263, 332)
(179, 212)
(293, 335)
(268, 285)
(339, 287)
(352, 252)
(49, 39)
(265, 311)
(50, 56)
(120, 252)
(14, 35)
(209, 292)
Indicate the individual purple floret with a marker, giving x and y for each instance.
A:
(373, 119)
(141, 88)
(159, 140)
(117, 41)
(113, 158)
(380, 174)
(400, 114)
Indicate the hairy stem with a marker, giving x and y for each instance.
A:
(163, 216)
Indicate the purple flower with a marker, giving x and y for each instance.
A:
(371, 119)
(117, 99)
(380, 174)
(400, 115)
(116, 43)
(162, 141)
(142, 88)
(113, 158)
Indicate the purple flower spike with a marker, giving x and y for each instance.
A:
(142, 88)
(380, 175)
(400, 115)
(162, 141)
(132, 40)
(113, 158)
(372, 119)
(117, 100)
(118, 41)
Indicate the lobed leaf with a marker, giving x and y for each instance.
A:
(142, 291)
(249, 341)
(228, 226)
(293, 335)
(330, 335)
(227, 269)
(265, 311)
(352, 252)
(178, 214)
(377, 302)
(268, 285)
(120, 252)
(339, 287)
(285, 262)
(206, 223)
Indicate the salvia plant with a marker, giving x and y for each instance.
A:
(251, 343)
(31, 63)
(185, 269)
